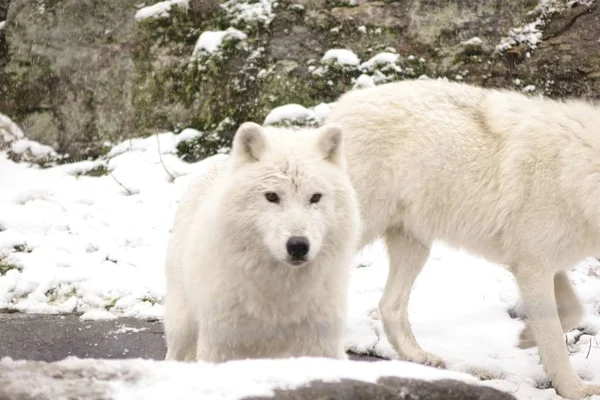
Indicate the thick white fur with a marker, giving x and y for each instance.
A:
(511, 178)
(231, 293)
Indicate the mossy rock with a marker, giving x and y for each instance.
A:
(138, 78)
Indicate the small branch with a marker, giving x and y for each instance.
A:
(161, 159)
(120, 184)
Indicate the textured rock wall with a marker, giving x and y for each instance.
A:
(70, 71)
(84, 71)
(3, 45)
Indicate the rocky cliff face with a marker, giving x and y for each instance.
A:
(81, 72)
(3, 45)
(70, 72)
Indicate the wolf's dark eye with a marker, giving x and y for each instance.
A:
(272, 197)
(315, 198)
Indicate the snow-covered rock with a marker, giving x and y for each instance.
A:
(160, 10)
(272, 379)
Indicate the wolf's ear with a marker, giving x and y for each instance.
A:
(330, 143)
(249, 143)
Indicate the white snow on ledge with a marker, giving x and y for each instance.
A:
(159, 10)
(172, 380)
(342, 57)
(21, 146)
(297, 113)
(9, 131)
(250, 12)
(289, 112)
(364, 81)
(384, 58)
(529, 34)
(2, 23)
(210, 41)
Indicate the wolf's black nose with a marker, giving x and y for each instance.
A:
(297, 247)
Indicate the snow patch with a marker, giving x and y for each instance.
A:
(127, 329)
(2, 23)
(188, 134)
(36, 149)
(379, 59)
(291, 112)
(160, 10)
(364, 81)
(97, 315)
(382, 67)
(529, 35)
(295, 114)
(210, 41)
(341, 56)
(474, 41)
(9, 131)
(92, 243)
(250, 12)
(322, 110)
(254, 378)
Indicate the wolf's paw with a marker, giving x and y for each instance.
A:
(592, 390)
(434, 361)
(422, 357)
(579, 392)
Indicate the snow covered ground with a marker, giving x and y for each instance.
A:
(146, 379)
(71, 242)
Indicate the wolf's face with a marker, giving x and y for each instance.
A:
(287, 188)
(293, 208)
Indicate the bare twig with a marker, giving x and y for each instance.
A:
(120, 184)
(161, 159)
(589, 349)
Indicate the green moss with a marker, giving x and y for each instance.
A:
(6, 265)
(110, 304)
(340, 3)
(329, 81)
(40, 161)
(298, 123)
(241, 82)
(297, 8)
(254, 26)
(162, 83)
(98, 171)
(51, 294)
(199, 93)
(416, 67)
(201, 147)
(463, 58)
(150, 299)
(177, 28)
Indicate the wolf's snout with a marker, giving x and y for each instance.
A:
(297, 247)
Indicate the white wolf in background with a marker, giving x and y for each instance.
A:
(511, 178)
(260, 251)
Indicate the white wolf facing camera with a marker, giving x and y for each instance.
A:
(505, 176)
(260, 251)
